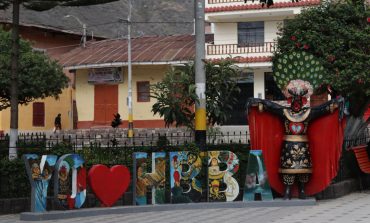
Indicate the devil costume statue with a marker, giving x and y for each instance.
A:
(295, 164)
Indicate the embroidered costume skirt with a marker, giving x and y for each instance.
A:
(295, 158)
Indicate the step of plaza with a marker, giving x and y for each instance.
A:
(89, 212)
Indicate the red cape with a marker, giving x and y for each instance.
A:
(325, 136)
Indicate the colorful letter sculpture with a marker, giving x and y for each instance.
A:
(185, 187)
(70, 181)
(156, 179)
(256, 182)
(109, 184)
(39, 173)
(222, 165)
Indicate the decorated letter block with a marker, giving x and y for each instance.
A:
(39, 173)
(184, 171)
(70, 181)
(222, 165)
(144, 180)
(256, 182)
(109, 184)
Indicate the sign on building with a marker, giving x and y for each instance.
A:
(106, 75)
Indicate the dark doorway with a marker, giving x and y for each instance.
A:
(238, 114)
(272, 91)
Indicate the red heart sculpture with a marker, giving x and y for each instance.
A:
(109, 184)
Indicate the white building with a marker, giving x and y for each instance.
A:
(247, 32)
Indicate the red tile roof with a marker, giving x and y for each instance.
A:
(154, 49)
(259, 6)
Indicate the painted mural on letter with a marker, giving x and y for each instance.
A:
(256, 186)
(222, 165)
(70, 181)
(185, 186)
(39, 172)
(155, 180)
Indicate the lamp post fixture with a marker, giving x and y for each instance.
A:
(129, 98)
(130, 133)
(83, 28)
(200, 76)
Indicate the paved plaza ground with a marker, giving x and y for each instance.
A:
(351, 208)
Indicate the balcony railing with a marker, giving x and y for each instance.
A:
(223, 1)
(266, 47)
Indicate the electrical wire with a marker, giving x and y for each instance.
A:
(155, 22)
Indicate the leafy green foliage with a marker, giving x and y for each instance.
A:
(338, 35)
(221, 90)
(13, 179)
(176, 96)
(298, 65)
(38, 76)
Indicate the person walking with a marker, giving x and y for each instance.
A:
(58, 123)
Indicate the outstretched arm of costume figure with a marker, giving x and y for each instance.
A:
(326, 108)
(266, 105)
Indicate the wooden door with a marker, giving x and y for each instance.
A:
(106, 103)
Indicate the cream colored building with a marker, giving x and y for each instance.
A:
(115, 95)
(101, 73)
(247, 32)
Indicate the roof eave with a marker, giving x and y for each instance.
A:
(122, 64)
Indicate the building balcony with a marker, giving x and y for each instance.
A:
(213, 2)
(232, 49)
(252, 54)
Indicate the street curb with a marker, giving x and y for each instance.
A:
(88, 212)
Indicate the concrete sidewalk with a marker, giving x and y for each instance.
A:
(351, 208)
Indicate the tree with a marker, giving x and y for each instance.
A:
(38, 5)
(337, 34)
(38, 76)
(176, 96)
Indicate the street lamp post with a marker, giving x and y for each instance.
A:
(83, 28)
(130, 133)
(200, 76)
(129, 98)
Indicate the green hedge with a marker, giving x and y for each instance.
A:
(13, 179)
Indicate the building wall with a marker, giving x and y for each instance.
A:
(55, 43)
(84, 96)
(52, 108)
(143, 117)
(226, 33)
(271, 29)
(259, 82)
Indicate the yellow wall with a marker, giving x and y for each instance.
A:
(84, 96)
(141, 110)
(52, 108)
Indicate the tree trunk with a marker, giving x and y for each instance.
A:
(14, 83)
